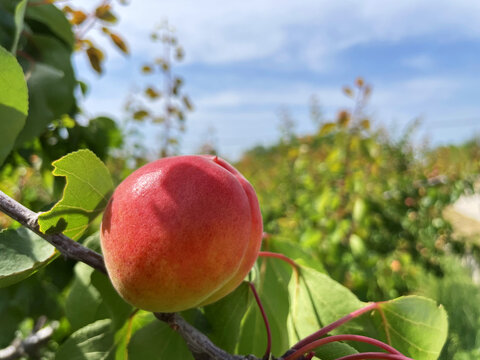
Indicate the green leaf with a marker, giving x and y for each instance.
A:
(157, 341)
(85, 196)
(22, 254)
(334, 350)
(272, 284)
(51, 84)
(315, 301)
(18, 17)
(135, 322)
(118, 309)
(54, 19)
(414, 325)
(92, 342)
(84, 302)
(13, 102)
(225, 316)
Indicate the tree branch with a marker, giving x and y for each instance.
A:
(200, 345)
(64, 244)
(30, 345)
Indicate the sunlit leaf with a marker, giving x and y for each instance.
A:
(414, 325)
(327, 128)
(85, 196)
(13, 102)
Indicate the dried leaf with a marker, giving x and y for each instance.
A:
(103, 13)
(179, 53)
(119, 42)
(152, 93)
(343, 118)
(188, 104)
(365, 124)
(140, 114)
(347, 90)
(78, 17)
(95, 56)
(147, 69)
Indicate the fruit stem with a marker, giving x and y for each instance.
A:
(265, 320)
(279, 256)
(374, 355)
(325, 330)
(347, 337)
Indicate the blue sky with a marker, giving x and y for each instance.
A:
(247, 60)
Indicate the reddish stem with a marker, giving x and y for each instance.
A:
(374, 355)
(325, 330)
(279, 256)
(265, 320)
(320, 342)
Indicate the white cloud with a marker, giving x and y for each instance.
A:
(419, 62)
(216, 32)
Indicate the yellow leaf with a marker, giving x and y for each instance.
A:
(151, 93)
(78, 17)
(119, 42)
(140, 114)
(327, 128)
(95, 56)
(343, 118)
(103, 13)
(365, 123)
(348, 91)
(147, 69)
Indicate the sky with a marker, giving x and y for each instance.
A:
(247, 60)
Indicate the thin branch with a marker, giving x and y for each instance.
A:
(30, 345)
(317, 343)
(285, 258)
(374, 355)
(199, 345)
(64, 244)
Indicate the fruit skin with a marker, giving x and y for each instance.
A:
(181, 232)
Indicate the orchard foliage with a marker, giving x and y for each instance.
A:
(370, 208)
(342, 207)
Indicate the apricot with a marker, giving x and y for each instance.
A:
(181, 232)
